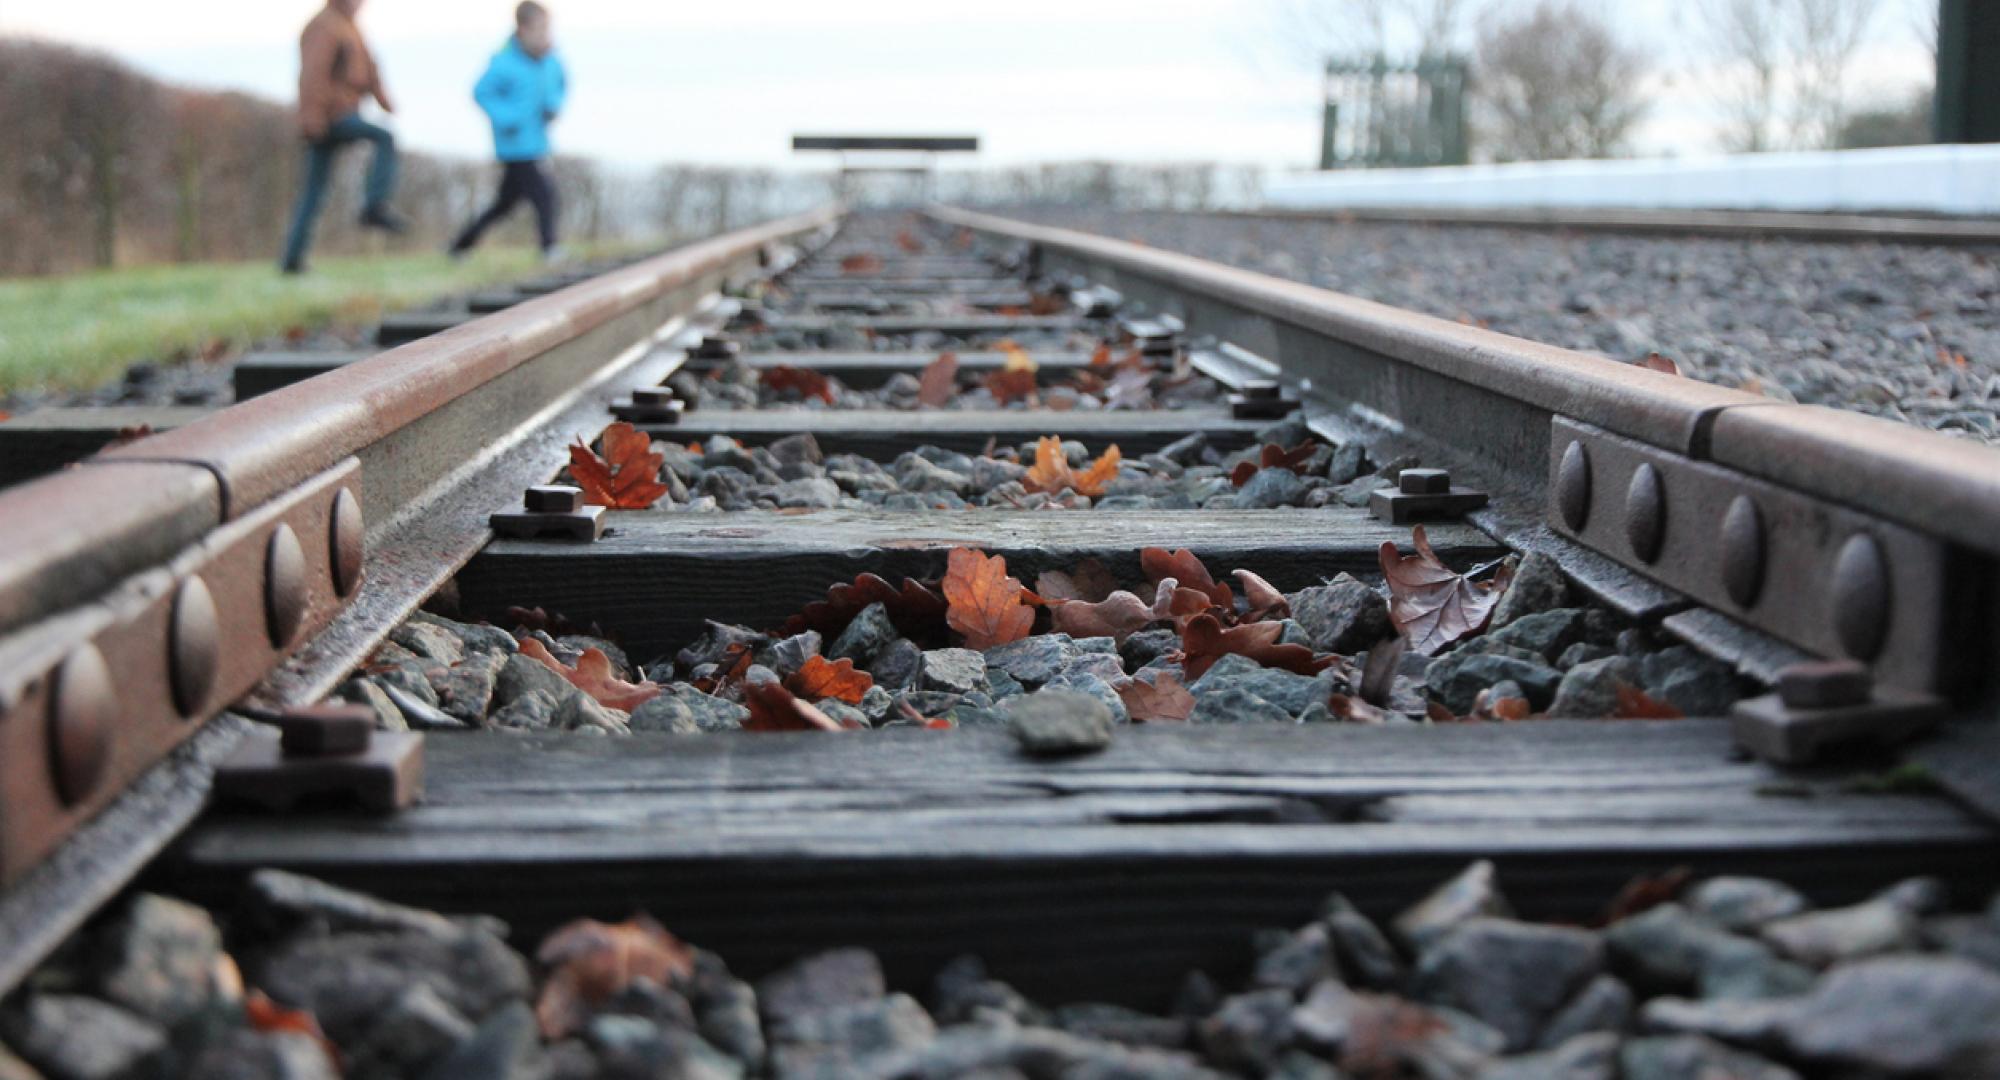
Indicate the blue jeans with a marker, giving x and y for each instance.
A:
(320, 155)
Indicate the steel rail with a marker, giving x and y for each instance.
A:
(1724, 224)
(147, 589)
(1834, 533)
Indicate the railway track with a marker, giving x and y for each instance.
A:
(1936, 231)
(164, 602)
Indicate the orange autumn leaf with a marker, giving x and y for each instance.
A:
(1165, 700)
(1432, 604)
(627, 477)
(593, 675)
(1662, 364)
(805, 382)
(774, 708)
(265, 1015)
(1051, 473)
(1101, 356)
(591, 962)
(861, 264)
(820, 679)
(984, 604)
(1161, 564)
(908, 241)
(939, 381)
(1205, 641)
(1635, 704)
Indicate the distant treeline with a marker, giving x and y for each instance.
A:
(101, 166)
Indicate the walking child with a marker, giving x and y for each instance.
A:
(522, 93)
(336, 72)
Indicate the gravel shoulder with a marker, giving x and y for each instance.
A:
(1904, 332)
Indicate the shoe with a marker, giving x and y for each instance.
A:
(557, 256)
(385, 219)
(292, 267)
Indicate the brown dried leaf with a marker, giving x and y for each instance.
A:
(984, 604)
(1355, 710)
(1264, 599)
(939, 382)
(1644, 893)
(1090, 582)
(1205, 641)
(593, 675)
(1388, 1036)
(1165, 700)
(1663, 364)
(1274, 456)
(1011, 386)
(627, 477)
(774, 708)
(917, 610)
(1432, 604)
(820, 679)
(590, 962)
(1118, 616)
(1182, 566)
(855, 265)
(804, 382)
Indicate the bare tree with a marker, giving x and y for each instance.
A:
(1827, 33)
(1556, 82)
(1325, 27)
(1747, 37)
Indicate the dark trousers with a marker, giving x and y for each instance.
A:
(521, 180)
(320, 155)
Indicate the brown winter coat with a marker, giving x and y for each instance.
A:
(336, 71)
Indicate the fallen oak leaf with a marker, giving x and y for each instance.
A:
(1263, 598)
(1051, 473)
(916, 610)
(804, 382)
(939, 381)
(1117, 616)
(627, 477)
(1644, 893)
(1274, 456)
(733, 667)
(1433, 605)
(1011, 386)
(930, 723)
(1663, 364)
(982, 602)
(1205, 641)
(1182, 566)
(861, 264)
(774, 708)
(593, 675)
(590, 962)
(1165, 700)
(820, 679)
(1091, 582)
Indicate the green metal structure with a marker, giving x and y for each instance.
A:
(1388, 115)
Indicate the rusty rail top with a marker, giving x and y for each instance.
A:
(147, 589)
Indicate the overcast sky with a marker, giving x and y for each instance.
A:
(693, 80)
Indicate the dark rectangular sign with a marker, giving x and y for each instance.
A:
(932, 144)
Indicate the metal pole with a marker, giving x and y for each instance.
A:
(1968, 77)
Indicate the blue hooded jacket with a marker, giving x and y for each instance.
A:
(521, 94)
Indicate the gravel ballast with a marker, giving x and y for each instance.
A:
(1905, 332)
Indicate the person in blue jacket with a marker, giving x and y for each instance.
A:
(522, 93)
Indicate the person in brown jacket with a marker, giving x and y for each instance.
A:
(336, 72)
